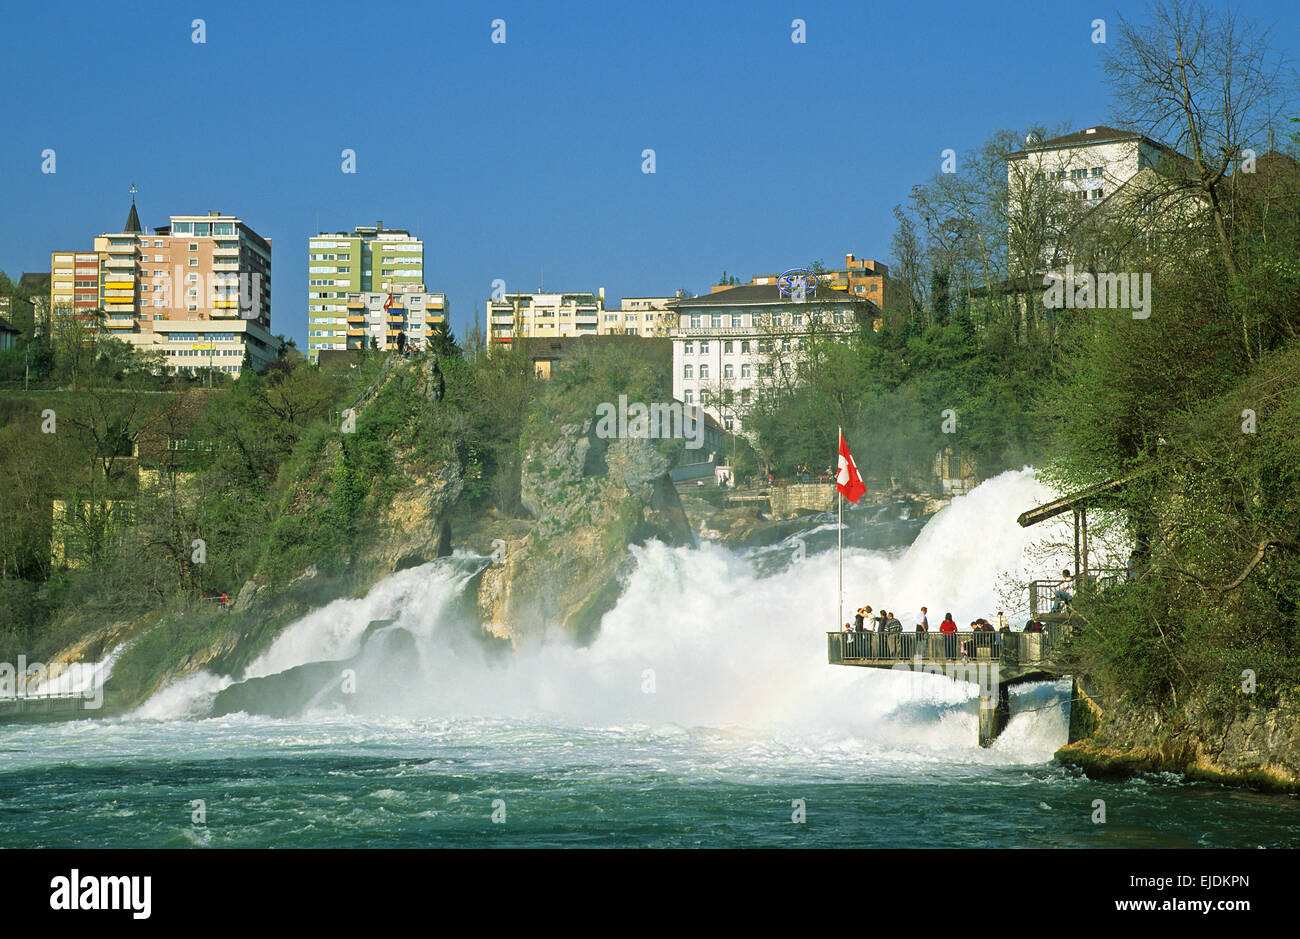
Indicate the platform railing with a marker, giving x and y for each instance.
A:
(1042, 593)
(1009, 648)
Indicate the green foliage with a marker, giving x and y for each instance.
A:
(889, 391)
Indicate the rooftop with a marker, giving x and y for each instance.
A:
(760, 293)
(1087, 137)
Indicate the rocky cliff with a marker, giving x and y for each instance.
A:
(1253, 745)
(592, 499)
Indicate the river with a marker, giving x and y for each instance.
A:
(704, 714)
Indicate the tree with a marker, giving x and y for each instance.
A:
(908, 263)
(1209, 84)
(939, 302)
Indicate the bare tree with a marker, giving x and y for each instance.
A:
(1209, 84)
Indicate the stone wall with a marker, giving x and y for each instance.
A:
(802, 499)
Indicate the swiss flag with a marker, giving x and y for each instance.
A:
(389, 301)
(847, 481)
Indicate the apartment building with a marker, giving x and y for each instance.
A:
(376, 317)
(197, 290)
(648, 317)
(861, 277)
(1090, 163)
(369, 259)
(1089, 167)
(544, 316)
(737, 345)
(74, 280)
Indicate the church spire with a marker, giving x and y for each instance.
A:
(133, 220)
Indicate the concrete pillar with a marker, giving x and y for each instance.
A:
(995, 710)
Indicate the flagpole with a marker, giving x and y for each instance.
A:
(839, 532)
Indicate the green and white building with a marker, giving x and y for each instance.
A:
(370, 259)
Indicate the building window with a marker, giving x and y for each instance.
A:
(744, 347)
(735, 319)
(194, 262)
(194, 246)
(746, 371)
(728, 371)
(704, 347)
(704, 372)
(688, 348)
(688, 371)
(727, 347)
(715, 320)
(695, 320)
(1096, 171)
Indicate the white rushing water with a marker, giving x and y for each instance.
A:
(698, 639)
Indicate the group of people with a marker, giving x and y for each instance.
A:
(886, 624)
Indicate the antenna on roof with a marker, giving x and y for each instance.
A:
(1031, 138)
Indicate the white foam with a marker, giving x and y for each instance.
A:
(700, 639)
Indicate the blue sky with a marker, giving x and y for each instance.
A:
(517, 158)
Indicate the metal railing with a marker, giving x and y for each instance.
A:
(1009, 648)
(760, 483)
(1042, 593)
(42, 705)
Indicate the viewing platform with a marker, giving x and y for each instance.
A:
(992, 660)
(1020, 656)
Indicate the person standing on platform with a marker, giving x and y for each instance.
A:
(923, 634)
(948, 629)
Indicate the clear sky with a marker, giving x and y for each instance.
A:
(517, 158)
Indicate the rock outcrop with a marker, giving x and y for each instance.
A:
(414, 529)
(1254, 745)
(593, 499)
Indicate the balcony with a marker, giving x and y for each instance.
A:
(225, 264)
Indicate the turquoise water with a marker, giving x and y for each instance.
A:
(387, 783)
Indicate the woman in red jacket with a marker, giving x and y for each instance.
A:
(948, 629)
